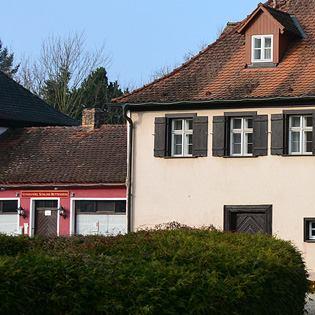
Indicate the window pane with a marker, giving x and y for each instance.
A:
(237, 149)
(295, 121)
(189, 124)
(85, 206)
(249, 143)
(9, 205)
(308, 135)
(267, 42)
(313, 225)
(177, 144)
(248, 123)
(257, 43)
(189, 144)
(295, 142)
(237, 123)
(236, 143)
(308, 121)
(257, 54)
(105, 206)
(268, 54)
(177, 125)
(120, 206)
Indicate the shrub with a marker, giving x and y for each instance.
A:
(182, 271)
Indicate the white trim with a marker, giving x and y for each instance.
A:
(184, 132)
(72, 211)
(262, 38)
(242, 131)
(31, 227)
(302, 129)
(18, 217)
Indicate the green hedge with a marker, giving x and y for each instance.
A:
(182, 271)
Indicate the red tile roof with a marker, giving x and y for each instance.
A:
(63, 155)
(219, 72)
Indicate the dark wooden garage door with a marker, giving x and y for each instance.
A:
(248, 219)
(46, 217)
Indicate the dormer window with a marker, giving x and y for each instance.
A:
(262, 48)
(268, 33)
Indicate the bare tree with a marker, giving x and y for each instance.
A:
(64, 63)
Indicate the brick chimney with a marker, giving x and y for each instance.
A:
(93, 118)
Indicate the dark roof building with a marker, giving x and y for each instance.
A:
(221, 73)
(19, 107)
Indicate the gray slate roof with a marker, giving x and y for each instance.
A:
(18, 106)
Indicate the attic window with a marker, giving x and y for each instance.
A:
(262, 48)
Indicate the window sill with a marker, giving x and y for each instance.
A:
(256, 65)
(297, 155)
(240, 157)
(309, 241)
(180, 157)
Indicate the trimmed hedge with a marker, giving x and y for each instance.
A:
(183, 271)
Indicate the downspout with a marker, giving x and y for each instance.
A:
(129, 169)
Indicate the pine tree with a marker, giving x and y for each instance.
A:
(97, 91)
(6, 61)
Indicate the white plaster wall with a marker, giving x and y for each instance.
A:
(194, 191)
(102, 224)
(8, 224)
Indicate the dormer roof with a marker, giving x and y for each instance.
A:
(285, 21)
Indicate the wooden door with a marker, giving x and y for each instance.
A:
(46, 217)
(248, 219)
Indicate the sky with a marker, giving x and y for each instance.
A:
(140, 36)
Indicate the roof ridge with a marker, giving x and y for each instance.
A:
(176, 70)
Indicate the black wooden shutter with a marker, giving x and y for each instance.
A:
(260, 126)
(277, 134)
(200, 136)
(160, 137)
(218, 137)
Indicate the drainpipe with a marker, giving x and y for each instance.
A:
(129, 168)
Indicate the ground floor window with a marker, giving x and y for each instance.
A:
(100, 217)
(309, 230)
(8, 206)
(100, 206)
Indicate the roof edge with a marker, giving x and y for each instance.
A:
(298, 100)
(60, 185)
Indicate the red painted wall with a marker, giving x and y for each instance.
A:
(64, 223)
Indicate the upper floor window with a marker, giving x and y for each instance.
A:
(182, 134)
(262, 48)
(300, 134)
(241, 136)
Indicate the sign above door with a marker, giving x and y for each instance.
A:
(45, 194)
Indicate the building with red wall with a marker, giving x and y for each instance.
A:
(64, 180)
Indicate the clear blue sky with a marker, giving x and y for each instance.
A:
(140, 36)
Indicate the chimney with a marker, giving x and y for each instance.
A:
(93, 118)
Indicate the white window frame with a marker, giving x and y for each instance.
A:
(243, 131)
(184, 132)
(311, 229)
(302, 130)
(262, 38)
(73, 212)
